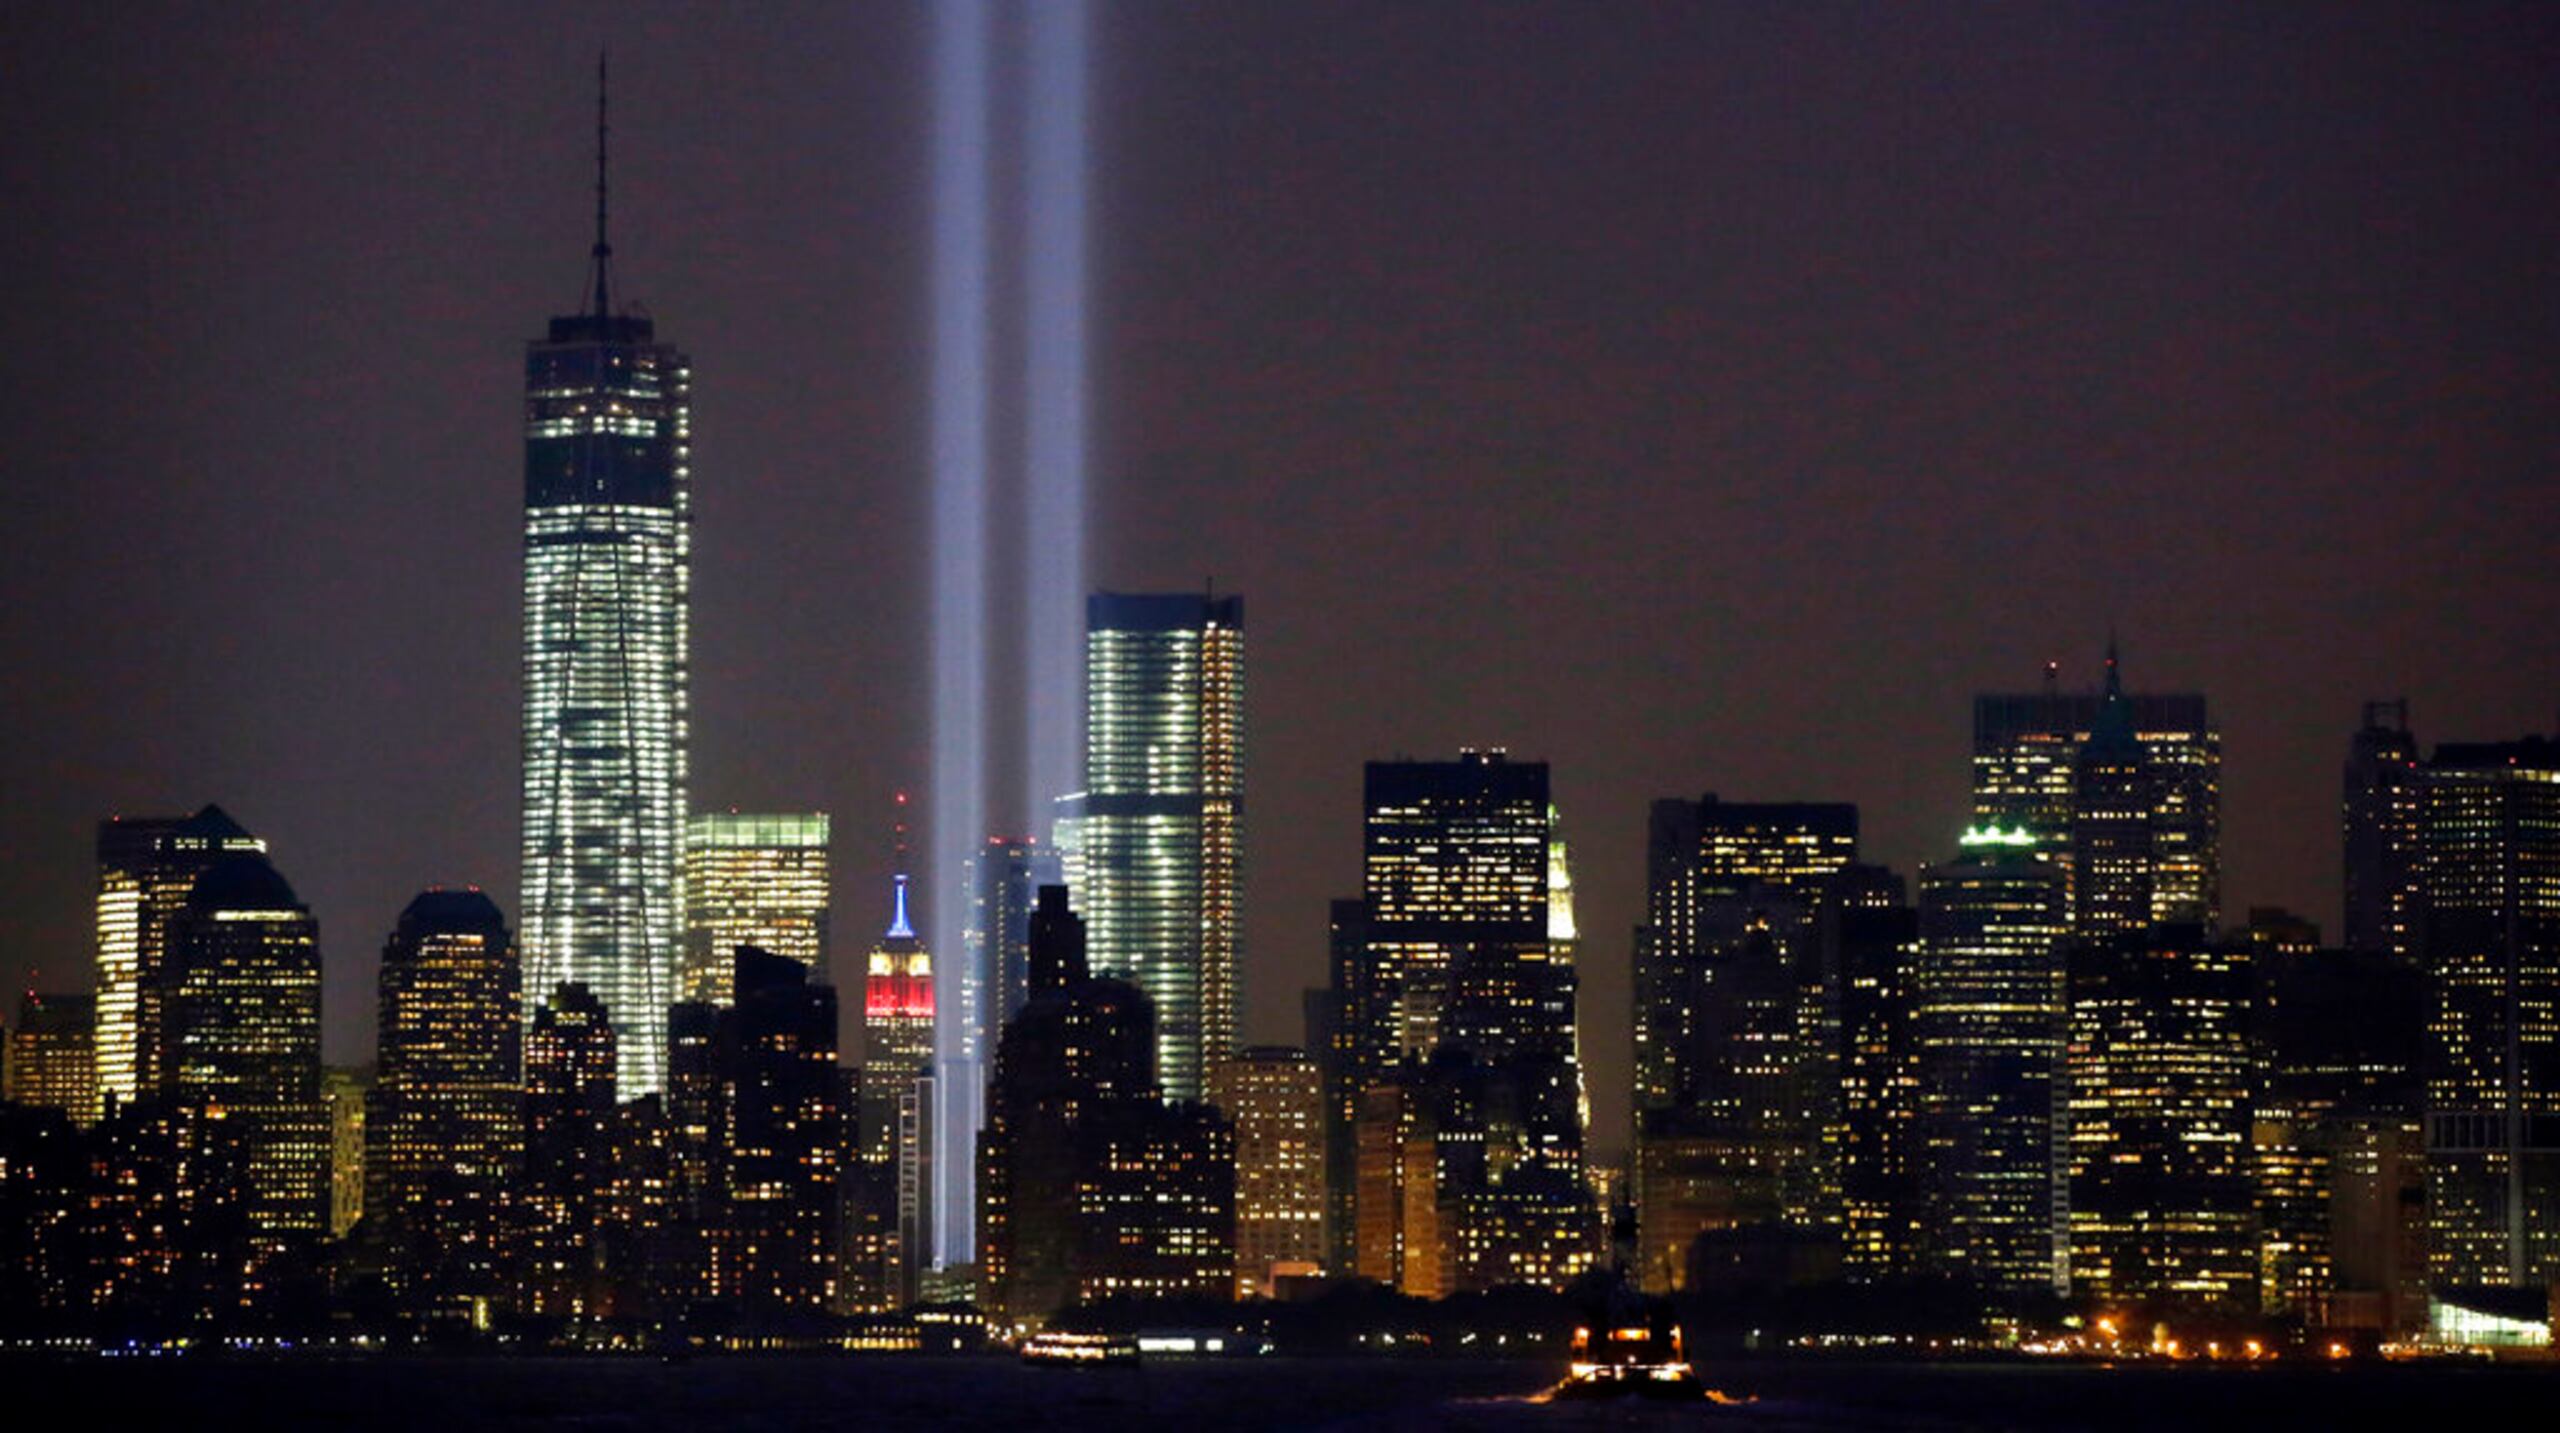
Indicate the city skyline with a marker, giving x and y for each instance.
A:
(374, 775)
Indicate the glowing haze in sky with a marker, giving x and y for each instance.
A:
(1694, 396)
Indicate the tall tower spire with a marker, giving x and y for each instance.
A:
(603, 251)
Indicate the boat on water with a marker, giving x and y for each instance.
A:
(1079, 1350)
(1636, 1359)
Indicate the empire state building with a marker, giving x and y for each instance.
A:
(607, 582)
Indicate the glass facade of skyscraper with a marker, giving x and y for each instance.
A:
(755, 879)
(1163, 815)
(607, 576)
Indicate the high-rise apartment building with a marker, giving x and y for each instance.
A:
(146, 868)
(2027, 772)
(53, 1055)
(753, 878)
(1988, 1013)
(1162, 815)
(608, 517)
(444, 1137)
(2488, 937)
(2379, 810)
(244, 1038)
(1273, 1097)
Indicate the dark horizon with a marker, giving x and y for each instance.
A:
(1695, 399)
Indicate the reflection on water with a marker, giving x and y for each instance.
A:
(862, 1394)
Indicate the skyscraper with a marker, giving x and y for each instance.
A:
(1987, 1026)
(1163, 814)
(607, 589)
(898, 997)
(780, 1210)
(444, 1135)
(2379, 813)
(2336, 1036)
(1707, 863)
(569, 1085)
(244, 1037)
(1736, 1075)
(1464, 1001)
(346, 1089)
(1274, 1099)
(2163, 1205)
(1868, 951)
(2488, 938)
(977, 994)
(2027, 771)
(1089, 1185)
(897, 1026)
(1454, 859)
(1002, 877)
(755, 879)
(146, 867)
(53, 1055)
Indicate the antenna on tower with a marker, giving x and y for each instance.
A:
(603, 251)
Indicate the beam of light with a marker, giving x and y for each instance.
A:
(1054, 405)
(959, 448)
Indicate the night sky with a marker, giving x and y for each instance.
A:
(1697, 397)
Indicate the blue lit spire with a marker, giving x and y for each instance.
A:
(898, 927)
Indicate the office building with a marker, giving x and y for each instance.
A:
(2378, 811)
(779, 1226)
(1460, 997)
(1709, 866)
(346, 1089)
(244, 1039)
(1989, 1007)
(2488, 937)
(898, 999)
(1089, 1185)
(571, 1077)
(53, 1055)
(146, 868)
(2157, 1069)
(444, 1138)
(897, 1027)
(2337, 1039)
(755, 879)
(1737, 1089)
(1869, 953)
(2027, 770)
(989, 984)
(1162, 816)
(1273, 1098)
(1453, 860)
(608, 515)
